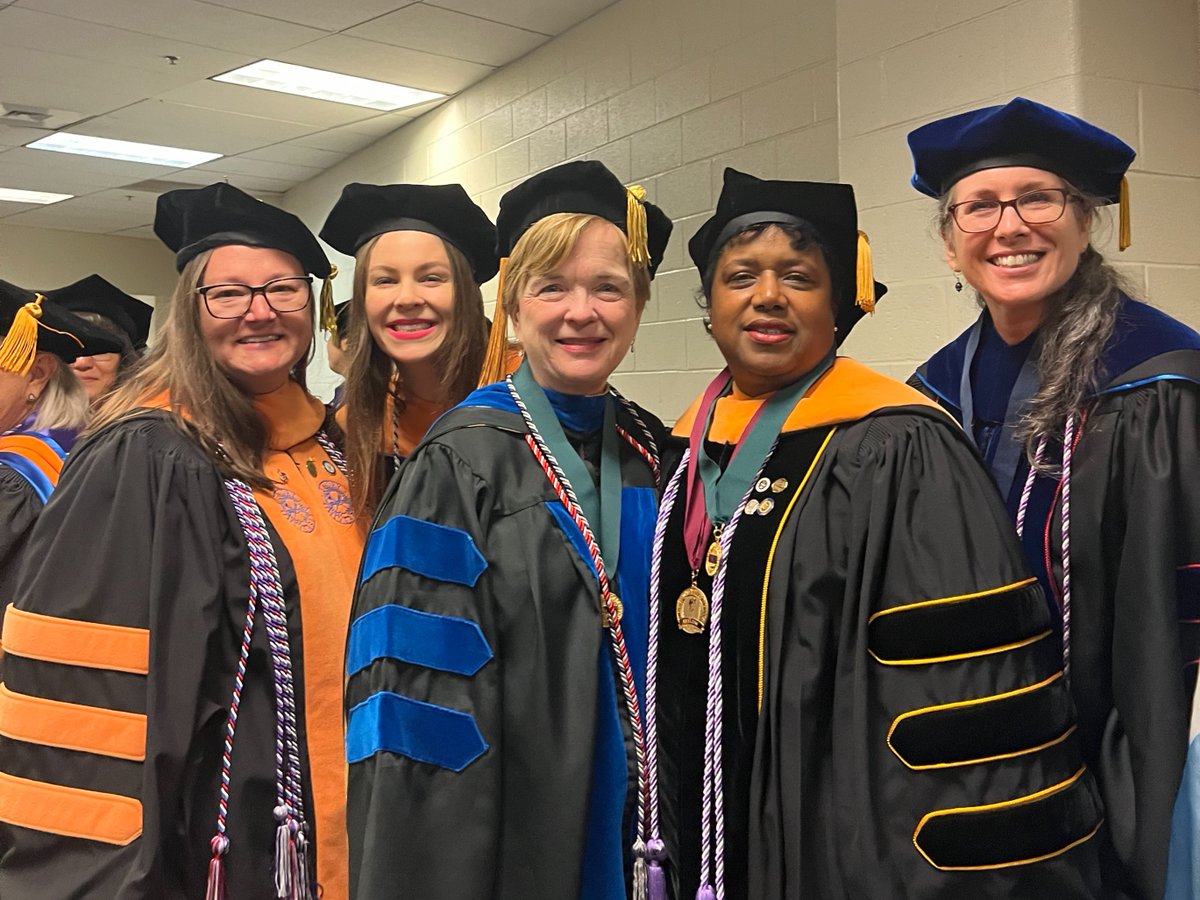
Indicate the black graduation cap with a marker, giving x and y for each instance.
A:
(585, 186)
(192, 220)
(97, 295)
(367, 210)
(1023, 133)
(828, 208)
(30, 324)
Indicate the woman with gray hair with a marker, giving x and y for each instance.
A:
(1085, 405)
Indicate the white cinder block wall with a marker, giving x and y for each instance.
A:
(669, 92)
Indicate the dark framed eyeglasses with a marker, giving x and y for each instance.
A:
(1040, 207)
(233, 300)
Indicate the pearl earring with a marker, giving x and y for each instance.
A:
(958, 282)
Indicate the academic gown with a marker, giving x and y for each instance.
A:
(895, 720)
(121, 651)
(489, 746)
(1135, 574)
(30, 464)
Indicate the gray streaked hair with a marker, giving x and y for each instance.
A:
(63, 404)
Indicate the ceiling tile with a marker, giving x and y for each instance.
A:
(75, 174)
(254, 102)
(103, 212)
(546, 16)
(80, 40)
(297, 155)
(243, 165)
(316, 13)
(88, 87)
(448, 33)
(352, 138)
(383, 62)
(187, 20)
(251, 184)
(141, 231)
(193, 127)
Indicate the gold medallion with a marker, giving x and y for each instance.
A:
(762, 484)
(751, 507)
(691, 610)
(618, 610)
(766, 506)
(712, 559)
(779, 485)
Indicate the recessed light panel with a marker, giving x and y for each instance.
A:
(129, 151)
(16, 195)
(318, 84)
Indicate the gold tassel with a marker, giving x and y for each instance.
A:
(1124, 240)
(328, 316)
(19, 347)
(864, 295)
(635, 226)
(494, 359)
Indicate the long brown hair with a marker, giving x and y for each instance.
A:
(372, 378)
(204, 402)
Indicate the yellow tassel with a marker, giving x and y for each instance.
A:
(864, 295)
(635, 226)
(495, 358)
(328, 316)
(1124, 239)
(19, 347)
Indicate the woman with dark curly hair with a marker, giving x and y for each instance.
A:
(1085, 405)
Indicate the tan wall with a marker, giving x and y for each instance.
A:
(43, 258)
(667, 93)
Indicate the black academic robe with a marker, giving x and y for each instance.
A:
(128, 618)
(488, 744)
(895, 720)
(1135, 572)
(25, 485)
(19, 508)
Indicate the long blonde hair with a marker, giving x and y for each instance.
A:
(372, 378)
(204, 402)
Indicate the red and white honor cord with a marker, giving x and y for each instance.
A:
(566, 495)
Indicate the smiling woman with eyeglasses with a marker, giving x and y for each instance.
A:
(176, 637)
(1085, 405)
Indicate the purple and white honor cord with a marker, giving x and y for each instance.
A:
(1068, 450)
(712, 818)
(1065, 534)
(655, 850)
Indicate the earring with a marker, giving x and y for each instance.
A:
(632, 346)
(958, 282)
(31, 399)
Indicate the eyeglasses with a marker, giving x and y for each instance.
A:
(233, 300)
(1040, 207)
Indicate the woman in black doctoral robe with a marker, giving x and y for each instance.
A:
(855, 689)
(498, 634)
(1102, 393)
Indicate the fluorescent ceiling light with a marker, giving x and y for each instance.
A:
(15, 195)
(286, 78)
(130, 151)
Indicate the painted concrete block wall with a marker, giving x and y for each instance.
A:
(669, 92)
(42, 258)
(666, 93)
(1130, 68)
